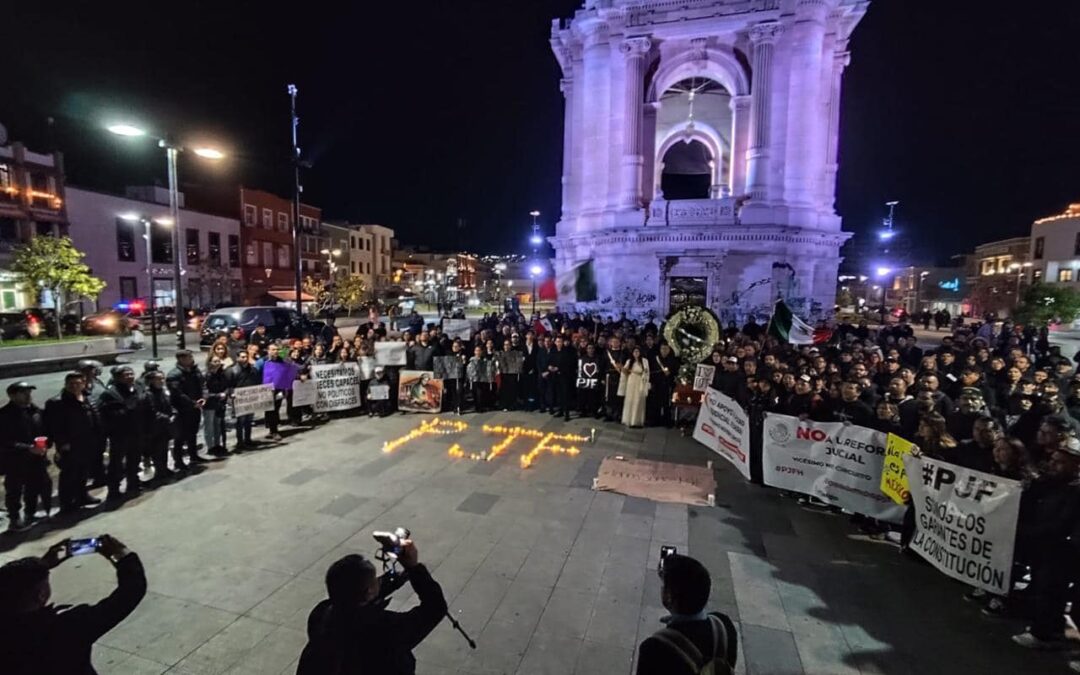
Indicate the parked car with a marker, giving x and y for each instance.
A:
(109, 322)
(34, 322)
(281, 323)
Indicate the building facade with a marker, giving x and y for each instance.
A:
(370, 257)
(916, 289)
(1055, 248)
(701, 149)
(997, 271)
(32, 203)
(111, 230)
(266, 242)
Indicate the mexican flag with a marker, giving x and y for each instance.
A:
(790, 328)
(578, 284)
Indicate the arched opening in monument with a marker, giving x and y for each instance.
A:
(693, 144)
(687, 171)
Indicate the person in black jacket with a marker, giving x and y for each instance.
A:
(566, 361)
(529, 374)
(187, 390)
(244, 374)
(850, 408)
(692, 634)
(351, 632)
(160, 418)
(37, 638)
(23, 459)
(75, 428)
(124, 412)
(545, 361)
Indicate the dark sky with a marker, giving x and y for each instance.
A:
(417, 114)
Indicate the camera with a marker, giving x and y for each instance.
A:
(665, 551)
(391, 541)
(82, 546)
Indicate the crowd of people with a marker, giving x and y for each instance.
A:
(999, 401)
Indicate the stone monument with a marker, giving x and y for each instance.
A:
(700, 152)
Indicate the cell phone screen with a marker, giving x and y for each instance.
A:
(82, 546)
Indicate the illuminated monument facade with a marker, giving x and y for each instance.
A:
(700, 151)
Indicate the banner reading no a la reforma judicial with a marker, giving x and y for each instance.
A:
(835, 462)
(722, 427)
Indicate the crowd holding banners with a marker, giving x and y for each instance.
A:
(997, 401)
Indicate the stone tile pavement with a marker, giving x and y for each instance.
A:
(547, 575)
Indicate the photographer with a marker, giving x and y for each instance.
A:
(39, 638)
(352, 632)
(693, 637)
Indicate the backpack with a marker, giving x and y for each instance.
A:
(716, 664)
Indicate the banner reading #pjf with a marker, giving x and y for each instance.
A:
(965, 521)
(722, 427)
(836, 462)
(337, 386)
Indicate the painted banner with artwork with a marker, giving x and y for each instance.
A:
(723, 427)
(894, 481)
(252, 400)
(965, 521)
(419, 391)
(457, 328)
(703, 377)
(337, 386)
(390, 353)
(836, 462)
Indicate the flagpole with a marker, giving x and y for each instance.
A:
(768, 328)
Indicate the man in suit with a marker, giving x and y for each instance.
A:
(529, 375)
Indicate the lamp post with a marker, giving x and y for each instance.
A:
(331, 268)
(172, 150)
(534, 272)
(132, 218)
(297, 189)
(1021, 272)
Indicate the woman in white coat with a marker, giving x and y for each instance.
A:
(634, 385)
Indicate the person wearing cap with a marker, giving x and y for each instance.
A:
(187, 389)
(352, 631)
(74, 426)
(124, 412)
(23, 452)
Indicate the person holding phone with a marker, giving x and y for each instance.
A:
(38, 637)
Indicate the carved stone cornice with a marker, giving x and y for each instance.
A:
(635, 46)
(766, 33)
(704, 236)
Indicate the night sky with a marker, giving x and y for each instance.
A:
(422, 114)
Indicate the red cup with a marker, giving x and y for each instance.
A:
(41, 442)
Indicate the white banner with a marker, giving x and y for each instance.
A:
(722, 426)
(965, 521)
(836, 462)
(337, 386)
(304, 392)
(390, 353)
(703, 376)
(379, 392)
(457, 328)
(252, 400)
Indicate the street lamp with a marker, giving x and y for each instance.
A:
(136, 218)
(171, 151)
(534, 272)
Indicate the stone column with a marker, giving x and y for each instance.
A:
(566, 85)
(806, 125)
(633, 51)
(595, 118)
(841, 59)
(740, 139)
(648, 151)
(763, 36)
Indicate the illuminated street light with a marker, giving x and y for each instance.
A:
(882, 271)
(209, 153)
(126, 130)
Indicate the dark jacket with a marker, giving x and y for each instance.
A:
(856, 412)
(18, 428)
(185, 387)
(658, 658)
(57, 640)
(244, 376)
(217, 388)
(73, 424)
(123, 411)
(421, 357)
(370, 639)
(159, 413)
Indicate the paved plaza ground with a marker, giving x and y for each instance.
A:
(547, 575)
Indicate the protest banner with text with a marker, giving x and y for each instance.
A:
(836, 462)
(965, 521)
(337, 386)
(252, 400)
(894, 481)
(722, 427)
(703, 376)
(457, 328)
(390, 354)
(304, 393)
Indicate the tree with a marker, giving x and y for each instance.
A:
(350, 292)
(1042, 303)
(316, 288)
(54, 264)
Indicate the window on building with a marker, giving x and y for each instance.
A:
(352, 241)
(125, 240)
(9, 296)
(267, 254)
(368, 268)
(1040, 242)
(234, 250)
(268, 219)
(191, 245)
(383, 261)
(161, 249)
(283, 221)
(213, 247)
(1037, 276)
(1065, 274)
(251, 256)
(987, 267)
(352, 266)
(284, 257)
(8, 229)
(129, 288)
(251, 215)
